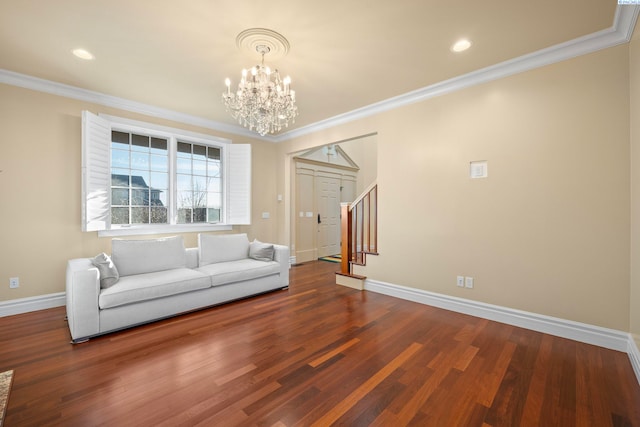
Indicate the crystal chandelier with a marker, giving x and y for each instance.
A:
(263, 102)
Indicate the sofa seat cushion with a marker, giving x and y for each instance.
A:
(148, 286)
(223, 273)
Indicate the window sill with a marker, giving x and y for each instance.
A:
(163, 229)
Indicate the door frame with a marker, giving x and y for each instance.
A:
(306, 245)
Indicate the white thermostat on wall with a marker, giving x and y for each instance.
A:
(478, 169)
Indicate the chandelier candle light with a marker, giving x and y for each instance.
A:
(263, 102)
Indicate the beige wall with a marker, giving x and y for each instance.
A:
(364, 152)
(634, 74)
(549, 230)
(40, 189)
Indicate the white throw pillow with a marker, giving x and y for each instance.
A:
(108, 272)
(222, 247)
(261, 251)
(149, 255)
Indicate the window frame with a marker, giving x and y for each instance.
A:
(232, 181)
(131, 189)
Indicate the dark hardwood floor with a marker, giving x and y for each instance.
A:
(316, 354)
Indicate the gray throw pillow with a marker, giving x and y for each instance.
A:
(261, 251)
(108, 272)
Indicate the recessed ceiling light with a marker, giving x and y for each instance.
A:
(461, 45)
(83, 54)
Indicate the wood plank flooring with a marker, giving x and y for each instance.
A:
(317, 354)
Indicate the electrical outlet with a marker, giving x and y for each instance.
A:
(14, 282)
(468, 282)
(460, 281)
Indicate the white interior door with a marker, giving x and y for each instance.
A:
(328, 217)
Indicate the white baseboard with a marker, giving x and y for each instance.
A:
(590, 334)
(634, 356)
(26, 305)
(603, 337)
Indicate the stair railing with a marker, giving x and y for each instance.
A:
(359, 222)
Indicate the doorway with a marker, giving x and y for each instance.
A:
(320, 188)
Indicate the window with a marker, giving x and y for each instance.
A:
(140, 178)
(198, 183)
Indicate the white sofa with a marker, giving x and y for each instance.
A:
(147, 280)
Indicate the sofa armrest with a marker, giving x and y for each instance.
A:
(83, 290)
(281, 255)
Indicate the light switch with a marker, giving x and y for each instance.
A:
(265, 215)
(478, 169)
(468, 282)
(309, 214)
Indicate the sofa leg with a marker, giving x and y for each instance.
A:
(79, 340)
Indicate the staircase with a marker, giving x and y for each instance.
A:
(359, 233)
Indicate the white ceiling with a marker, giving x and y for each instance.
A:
(344, 55)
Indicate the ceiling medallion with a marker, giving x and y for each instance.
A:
(249, 40)
(263, 102)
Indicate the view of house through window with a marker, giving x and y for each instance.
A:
(139, 179)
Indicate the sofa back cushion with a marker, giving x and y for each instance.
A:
(222, 247)
(149, 255)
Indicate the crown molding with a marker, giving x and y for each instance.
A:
(72, 92)
(620, 32)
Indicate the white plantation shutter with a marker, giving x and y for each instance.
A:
(96, 175)
(239, 184)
